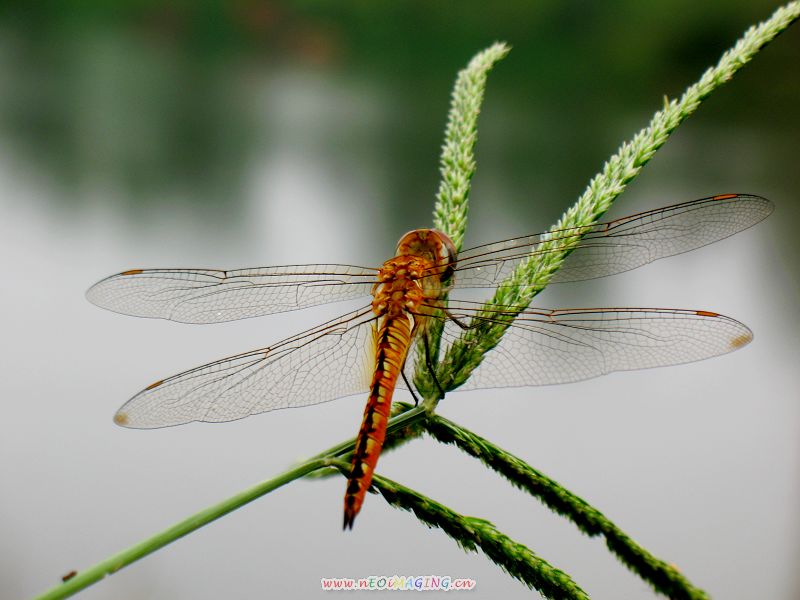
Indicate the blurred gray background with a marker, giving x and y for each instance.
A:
(255, 133)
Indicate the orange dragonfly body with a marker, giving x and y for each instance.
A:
(370, 350)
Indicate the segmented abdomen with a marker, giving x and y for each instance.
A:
(392, 341)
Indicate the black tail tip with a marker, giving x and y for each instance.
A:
(349, 518)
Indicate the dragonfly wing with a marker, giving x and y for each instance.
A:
(617, 246)
(212, 296)
(545, 347)
(331, 361)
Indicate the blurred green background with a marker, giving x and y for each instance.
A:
(136, 134)
(181, 100)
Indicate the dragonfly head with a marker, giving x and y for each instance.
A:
(432, 245)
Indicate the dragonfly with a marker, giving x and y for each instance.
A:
(372, 349)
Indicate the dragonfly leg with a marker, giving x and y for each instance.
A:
(409, 386)
(456, 320)
(431, 368)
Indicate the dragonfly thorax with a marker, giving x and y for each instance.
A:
(399, 288)
(415, 279)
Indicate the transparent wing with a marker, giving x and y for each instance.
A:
(545, 347)
(211, 296)
(330, 361)
(619, 245)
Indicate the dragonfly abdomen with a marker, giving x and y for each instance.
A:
(392, 341)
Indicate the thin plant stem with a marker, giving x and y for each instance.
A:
(472, 534)
(155, 542)
(664, 577)
(130, 555)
